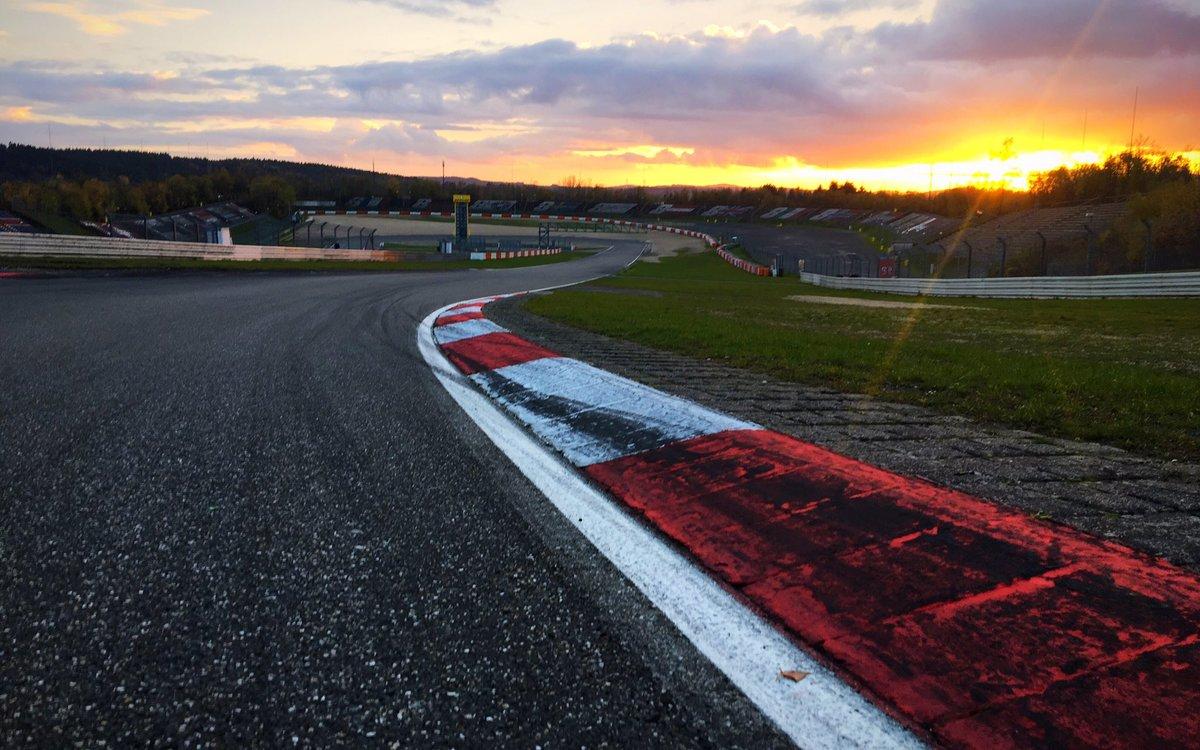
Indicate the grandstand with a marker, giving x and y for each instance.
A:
(1061, 241)
(612, 209)
(672, 210)
(14, 224)
(558, 208)
(493, 207)
(191, 225)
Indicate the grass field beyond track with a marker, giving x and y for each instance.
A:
(1123, 372)
(55, 263)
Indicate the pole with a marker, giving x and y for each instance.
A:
(1003, 254)
(1045, 268)
(970, 252)
(1091, 248)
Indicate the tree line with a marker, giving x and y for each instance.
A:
(95, 183)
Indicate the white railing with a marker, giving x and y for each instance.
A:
(69, 246)
(1183, 284)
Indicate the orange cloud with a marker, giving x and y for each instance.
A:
(115, 24)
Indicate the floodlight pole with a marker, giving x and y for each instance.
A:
(1091, 246)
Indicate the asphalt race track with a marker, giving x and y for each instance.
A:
(808, 243)
(240, 510)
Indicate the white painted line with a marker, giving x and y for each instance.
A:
(819, 712)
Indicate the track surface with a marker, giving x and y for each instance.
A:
(238, 509)
(808, 243)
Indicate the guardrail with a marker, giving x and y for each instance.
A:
(1183, 284)
(67, 246)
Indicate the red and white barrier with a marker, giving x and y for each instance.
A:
(506, 254)
(743, 264)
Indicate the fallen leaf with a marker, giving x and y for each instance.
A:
(795, 675)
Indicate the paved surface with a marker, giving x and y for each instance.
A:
(238, 510)
(1150, 505)
(763, 241)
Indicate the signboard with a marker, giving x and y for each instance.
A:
(462, 205)
(887, 268)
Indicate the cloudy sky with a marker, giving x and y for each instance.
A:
(795, 92)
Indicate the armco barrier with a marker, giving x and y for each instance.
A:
(741, 264)
(67, 246)
(1184, 284)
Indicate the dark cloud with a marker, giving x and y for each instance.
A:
(986, 30)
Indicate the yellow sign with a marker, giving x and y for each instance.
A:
(462, 199)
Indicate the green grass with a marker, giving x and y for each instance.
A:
(60, 224)
(264, 230)
(1122, 372)
(738, 251)
(52, 263)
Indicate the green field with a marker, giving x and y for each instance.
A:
(261, 230)
(60, 224)
(275, 265)
(1123, 372)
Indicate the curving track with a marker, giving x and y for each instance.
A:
(239, 510)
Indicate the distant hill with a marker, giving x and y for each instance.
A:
(22, 162)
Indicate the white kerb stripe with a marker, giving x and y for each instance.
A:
(592, 415)
(468, 329)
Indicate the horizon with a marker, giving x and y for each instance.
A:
(898, 95)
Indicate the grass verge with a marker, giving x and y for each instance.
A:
(1122, 372)
(130, 264)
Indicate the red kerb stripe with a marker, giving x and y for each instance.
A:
(492, 351)
(977, 622)
(450, 318)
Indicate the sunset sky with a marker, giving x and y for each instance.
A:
(795, 92)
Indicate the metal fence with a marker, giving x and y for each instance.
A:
(1181, 284)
